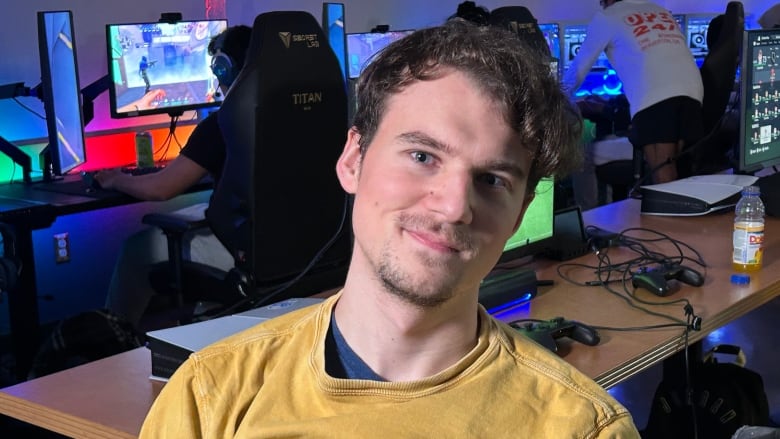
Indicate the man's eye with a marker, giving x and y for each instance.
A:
(493, 180)
(422, 157)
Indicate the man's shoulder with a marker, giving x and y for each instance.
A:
(287, 331)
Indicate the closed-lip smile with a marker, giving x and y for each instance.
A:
(435, 242)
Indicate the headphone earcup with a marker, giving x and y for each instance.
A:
(222, 67)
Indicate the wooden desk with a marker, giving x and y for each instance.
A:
(623, 354)
(109, 398)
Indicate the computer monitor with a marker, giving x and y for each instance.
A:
(759, 140)
(696, 34)
(536, 229)
(602, 79)
(361, 47)
(60, 92)
(334, 27)
(161, 67)
(573, 37)
(552, 34)
(680, 19)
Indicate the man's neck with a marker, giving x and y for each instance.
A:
(403, 342)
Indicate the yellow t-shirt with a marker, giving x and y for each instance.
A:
(270, 381)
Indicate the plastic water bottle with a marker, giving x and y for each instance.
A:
(748, 231)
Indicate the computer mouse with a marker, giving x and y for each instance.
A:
(88, 177)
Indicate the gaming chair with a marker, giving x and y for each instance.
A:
(522, 22)
(279, 203)
(278, 207)
(718, 74)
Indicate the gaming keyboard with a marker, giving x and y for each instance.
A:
(133, 170)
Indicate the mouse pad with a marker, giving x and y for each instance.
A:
(76, 187)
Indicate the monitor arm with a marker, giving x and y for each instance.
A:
(19, 157)
(88, 95)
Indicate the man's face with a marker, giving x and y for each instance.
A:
(437, 194)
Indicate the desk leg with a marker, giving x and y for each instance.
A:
(23, 305)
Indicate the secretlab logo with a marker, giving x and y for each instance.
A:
(311, 40)
(285, 36)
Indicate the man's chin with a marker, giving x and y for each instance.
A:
(423, 291)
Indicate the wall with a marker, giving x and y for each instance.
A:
(96, 237)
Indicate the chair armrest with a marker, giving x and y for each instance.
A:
(174, 223)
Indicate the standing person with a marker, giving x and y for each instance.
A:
(203, 154)
(143, 66)
(660, 78)
(455, 126)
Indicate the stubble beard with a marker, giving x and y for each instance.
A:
(414, 292)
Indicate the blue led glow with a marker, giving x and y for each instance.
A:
(524, 299)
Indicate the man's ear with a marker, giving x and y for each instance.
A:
(348, 165)
(526, 202)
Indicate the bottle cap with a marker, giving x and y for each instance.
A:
(740, 279)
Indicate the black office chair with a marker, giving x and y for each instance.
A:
(718, 74)
(278, 208)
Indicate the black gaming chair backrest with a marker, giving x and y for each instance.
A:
(284, 125)
(719, 70)
(522, 22)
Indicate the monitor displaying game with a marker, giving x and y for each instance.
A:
(759, 145)
(537, 226)
(696, 34)
(60, 91)
(161, 67)
(362, 46)
(333, 25)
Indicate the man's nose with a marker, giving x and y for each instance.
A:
(452, 197)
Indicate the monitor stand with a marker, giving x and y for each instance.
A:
(18, 157)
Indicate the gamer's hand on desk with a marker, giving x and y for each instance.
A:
(147, 101)
(107, 178)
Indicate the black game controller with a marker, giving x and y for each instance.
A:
(545, 333)
(656, 280)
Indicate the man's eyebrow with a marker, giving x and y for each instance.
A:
(420, 138)
(506, 166)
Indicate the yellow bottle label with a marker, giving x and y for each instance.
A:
(748, 242)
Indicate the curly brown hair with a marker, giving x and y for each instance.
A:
(504, 67)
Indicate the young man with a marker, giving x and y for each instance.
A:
(455, 126)
(660, 78)
(204, 153)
